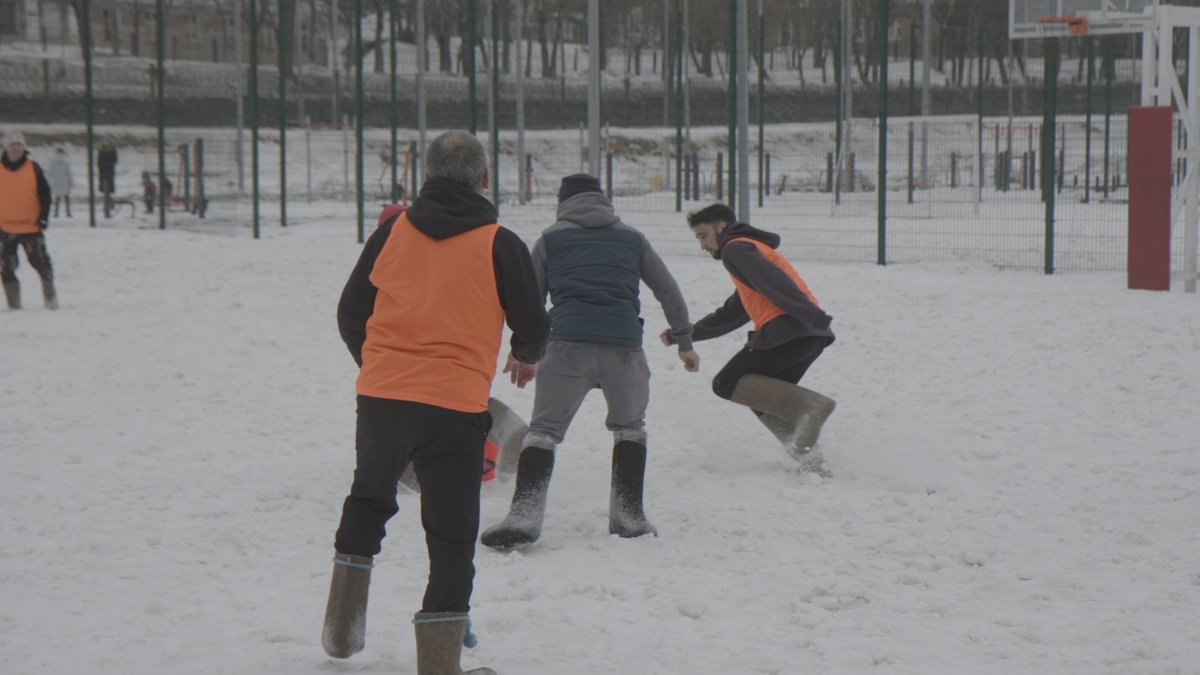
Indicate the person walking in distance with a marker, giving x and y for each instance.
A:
(24, 215)
(790, 332)
(592, 265)
(423, 314)
(61, 180)
(106, 162)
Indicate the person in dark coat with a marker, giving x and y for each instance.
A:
(790, 332)
(106, 163)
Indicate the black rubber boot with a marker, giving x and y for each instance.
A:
(523, 525)
(626, 517)
(344, 634)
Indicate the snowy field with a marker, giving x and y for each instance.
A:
(1016, 490)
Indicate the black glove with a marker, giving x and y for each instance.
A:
(42, 224)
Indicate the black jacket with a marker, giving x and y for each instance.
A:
(442, 210)
(43, 186)
(743, 261)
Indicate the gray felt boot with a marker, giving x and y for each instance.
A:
(345, 628)
(12, 292)
(791, 412)
(49, 294)
(440, 639)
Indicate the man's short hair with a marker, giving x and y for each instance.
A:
(714, 213)
(458, 157)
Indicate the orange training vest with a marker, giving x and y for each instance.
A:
(435, 333)
(19, 203)
(760, 309)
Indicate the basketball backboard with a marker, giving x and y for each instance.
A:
(1063, 18)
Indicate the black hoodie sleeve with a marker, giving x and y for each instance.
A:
(524, 306)
(726, 319)
(358, 297)
(43, 192)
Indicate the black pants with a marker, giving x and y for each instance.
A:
(35, 250)
(446, 449)
(789, 361)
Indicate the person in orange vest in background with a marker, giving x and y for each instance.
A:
(423, 315)
(790, 332)
(24, 213)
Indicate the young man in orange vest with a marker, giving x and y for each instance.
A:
(24, 214)
(423, 315)
(790, 332)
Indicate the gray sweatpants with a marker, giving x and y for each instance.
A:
(566, 374)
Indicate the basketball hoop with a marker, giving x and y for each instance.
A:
(1076, 25)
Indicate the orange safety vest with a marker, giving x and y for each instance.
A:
(760, 309)
(435, 333)
(19, 203)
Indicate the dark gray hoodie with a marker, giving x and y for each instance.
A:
(591, 264)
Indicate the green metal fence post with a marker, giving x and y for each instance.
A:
(160, 33)
(281, 36)
(395, 122)
(1087, 127)
(679, 108)
(496, 104)
(359, 110)
(89, 105)
(979, 121)
(1049, 123)
(762, 79)
(837, 76)
(881, 187)
(912, 103)
(733, 117)
(470, 49)
(1108, 78)
(254, 116)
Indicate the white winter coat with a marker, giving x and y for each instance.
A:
(59, 176)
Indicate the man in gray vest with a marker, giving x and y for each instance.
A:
(592, 264)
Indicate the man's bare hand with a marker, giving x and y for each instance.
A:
(691, 361)
(665, 336)
(520, 373)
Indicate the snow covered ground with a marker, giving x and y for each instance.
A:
(1017, 460)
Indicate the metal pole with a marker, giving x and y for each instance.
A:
(762, 76)
(912, 103)
(518, 36)
(1108, 78)
(594, 87)
(280, 35)
(1087, 127)
(1190, 206)
(334, 61)
(494, 103)
(358, 118)
(1048, 146)
(160, 32)
(86, 38)
(254, 116)
(838, 67)
(743, 106)
(392, 11)
(238, 84)
(733, 105)
(979, 126)
(679, 111)
(470, 50)
(926, 32)
(422, 67)
(881, 186)
(686, 49)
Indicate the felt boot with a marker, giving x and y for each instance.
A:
(791, 412)
(440, 639)
(626, 517)
(523, 525)
(345, 628)
(12, 292)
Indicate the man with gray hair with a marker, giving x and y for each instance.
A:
(423, 315)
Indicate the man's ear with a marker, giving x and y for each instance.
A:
(487, 179)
